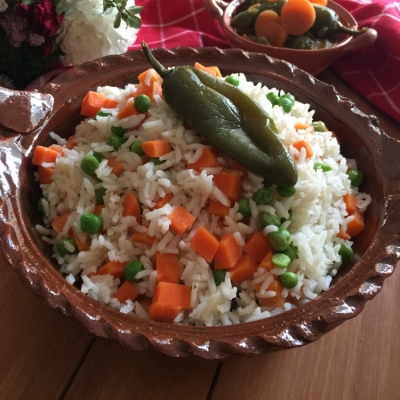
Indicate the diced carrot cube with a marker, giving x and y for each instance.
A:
(205, 243)
(257, 246)
(228, 252)
(181, 220)
(127, 291)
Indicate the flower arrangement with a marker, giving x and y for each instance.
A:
(36, 35)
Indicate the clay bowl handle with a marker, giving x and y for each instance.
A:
(23, 111)
(365, 39)
(216, 8)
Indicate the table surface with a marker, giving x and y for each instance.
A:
(45, 355)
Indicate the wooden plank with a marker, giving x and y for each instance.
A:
(39, 348)
(113, 372)
(358, 360)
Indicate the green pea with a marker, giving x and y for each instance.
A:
(273, 98)
(286, 104)
(132, 269)
(244, 207)
(136, 147)
(286, 191)
(156, 161)
(89, 164)
(101, 114)
(99, 156)
(118, 130)
(100, 193)
(289, 280)
(324, 167)
(346, 252)
(233, 80)
(40, 207)
(115, 141)
(291, 251)
(356, 177)
(263, 196)
(269, 219)
(281, 260)
(91, 223)
(142, 103)
(280, 239)
(61, 246)
(219, 276)
(319, 126)
(290, 97)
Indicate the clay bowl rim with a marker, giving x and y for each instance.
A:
(224, 11)
(290, 329)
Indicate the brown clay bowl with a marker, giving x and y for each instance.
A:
(377, 247)
(312, 61)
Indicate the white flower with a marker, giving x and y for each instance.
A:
(87, 32)
(3, 5)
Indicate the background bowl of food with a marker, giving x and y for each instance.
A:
(100, 263)
(310, 36)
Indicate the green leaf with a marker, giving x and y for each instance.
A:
(133, 22)
(117, 21)
(134, 10)
(107, 4)
(124, 15)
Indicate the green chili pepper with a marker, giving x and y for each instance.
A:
(258, 39)
(228, 118)
(327, 24)
(303, 42)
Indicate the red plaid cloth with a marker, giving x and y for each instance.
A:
(374, 70)
(171, 24)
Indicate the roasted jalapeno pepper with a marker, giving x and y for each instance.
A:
(302, 42)
(227, 118)
(327, 24)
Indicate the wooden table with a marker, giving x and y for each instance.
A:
(44, 355)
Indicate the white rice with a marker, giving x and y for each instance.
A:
(315, 213)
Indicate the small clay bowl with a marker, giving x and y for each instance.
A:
(311, 61)
(377, 247)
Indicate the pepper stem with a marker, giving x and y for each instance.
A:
(152, 61)
(352, 32)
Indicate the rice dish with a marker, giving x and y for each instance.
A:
(314, 214)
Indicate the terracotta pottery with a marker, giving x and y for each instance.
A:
(377, 247)
(312, 61)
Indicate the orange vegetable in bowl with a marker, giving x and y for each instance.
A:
(297, 16)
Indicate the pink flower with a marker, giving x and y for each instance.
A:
(41, 17)
(46, 15)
